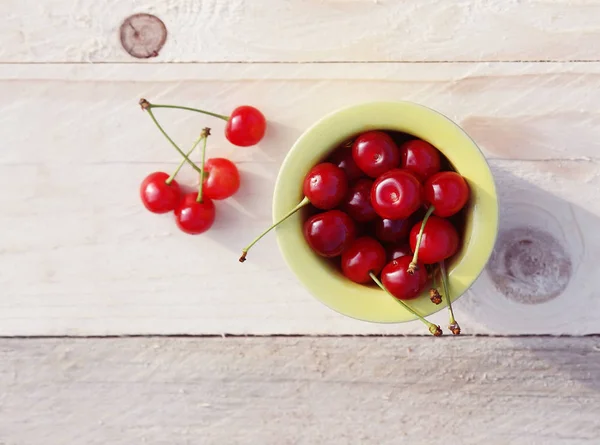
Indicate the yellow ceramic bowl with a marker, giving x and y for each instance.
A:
(325, 281)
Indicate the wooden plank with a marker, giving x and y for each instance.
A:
(297, 30)
(83, 258)
(527, 391)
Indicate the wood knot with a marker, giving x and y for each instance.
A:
(529, 265)
(143, 35)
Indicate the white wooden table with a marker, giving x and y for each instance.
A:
(80, 257)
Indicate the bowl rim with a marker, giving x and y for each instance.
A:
(364, 302)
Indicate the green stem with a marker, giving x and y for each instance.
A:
(191, 150)
(197, 110)
(434, 329)
(199, 198)
(245, 250)
(412, 267)
(453, 325)
(194, 166)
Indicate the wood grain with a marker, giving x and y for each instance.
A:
(300, 391)
(80, 256)
(305, 31)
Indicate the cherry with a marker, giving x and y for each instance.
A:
(357, 202)
(342, 157)
(221, 178)
(324, 187)
(395, 251)
(392, 230)
(396, 194)
(437, 239)
(329, 233)
(159, 192)
(421, 158)
(375, 152)
(448, 192)
(399, 285)
(246, 126)
(363, 257)
(194, 217)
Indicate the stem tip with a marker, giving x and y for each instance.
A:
(435, 330)
(454, 328)
(144, 104)
(243, 257)
(205, 132)
(412, 268)
(435, 296)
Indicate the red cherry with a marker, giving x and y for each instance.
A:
(448, 192)
(246, 126)
(362, 257)
(395, 251)
(357, 202)
(221, 178)
(392, 230)
(194, 217)
(400, 283)
(158, 196)
(421, 158)
(396, 194)
(325, 185)
(329, 233)
(342, 157)
(438, 242)
(375, 152)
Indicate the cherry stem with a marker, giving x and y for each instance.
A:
(191, 150)
(194, 166)
(412, 267)
(205, 133)
(245, 250)
(197, 110)
(453, 326)
(434, 329)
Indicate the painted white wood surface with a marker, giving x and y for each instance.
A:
(306, 30)
(80, 256)
(301, 391)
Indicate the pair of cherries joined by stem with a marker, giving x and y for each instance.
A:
(372, 182)
(219, 178)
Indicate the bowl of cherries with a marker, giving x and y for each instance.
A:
(386, 212)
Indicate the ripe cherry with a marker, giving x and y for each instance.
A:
(421, 158)
(194, 217)
(160, 193)
(447, 191)
(329, 233)
(375, 152)
(357, 202)
(246, 126)
(324, 187)
(363, 257)
(392, 230)
(400, 283)
(342, 157)
(402, 286)
(396, 194)
(221, 178)
(438, 240)
(395, 251)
